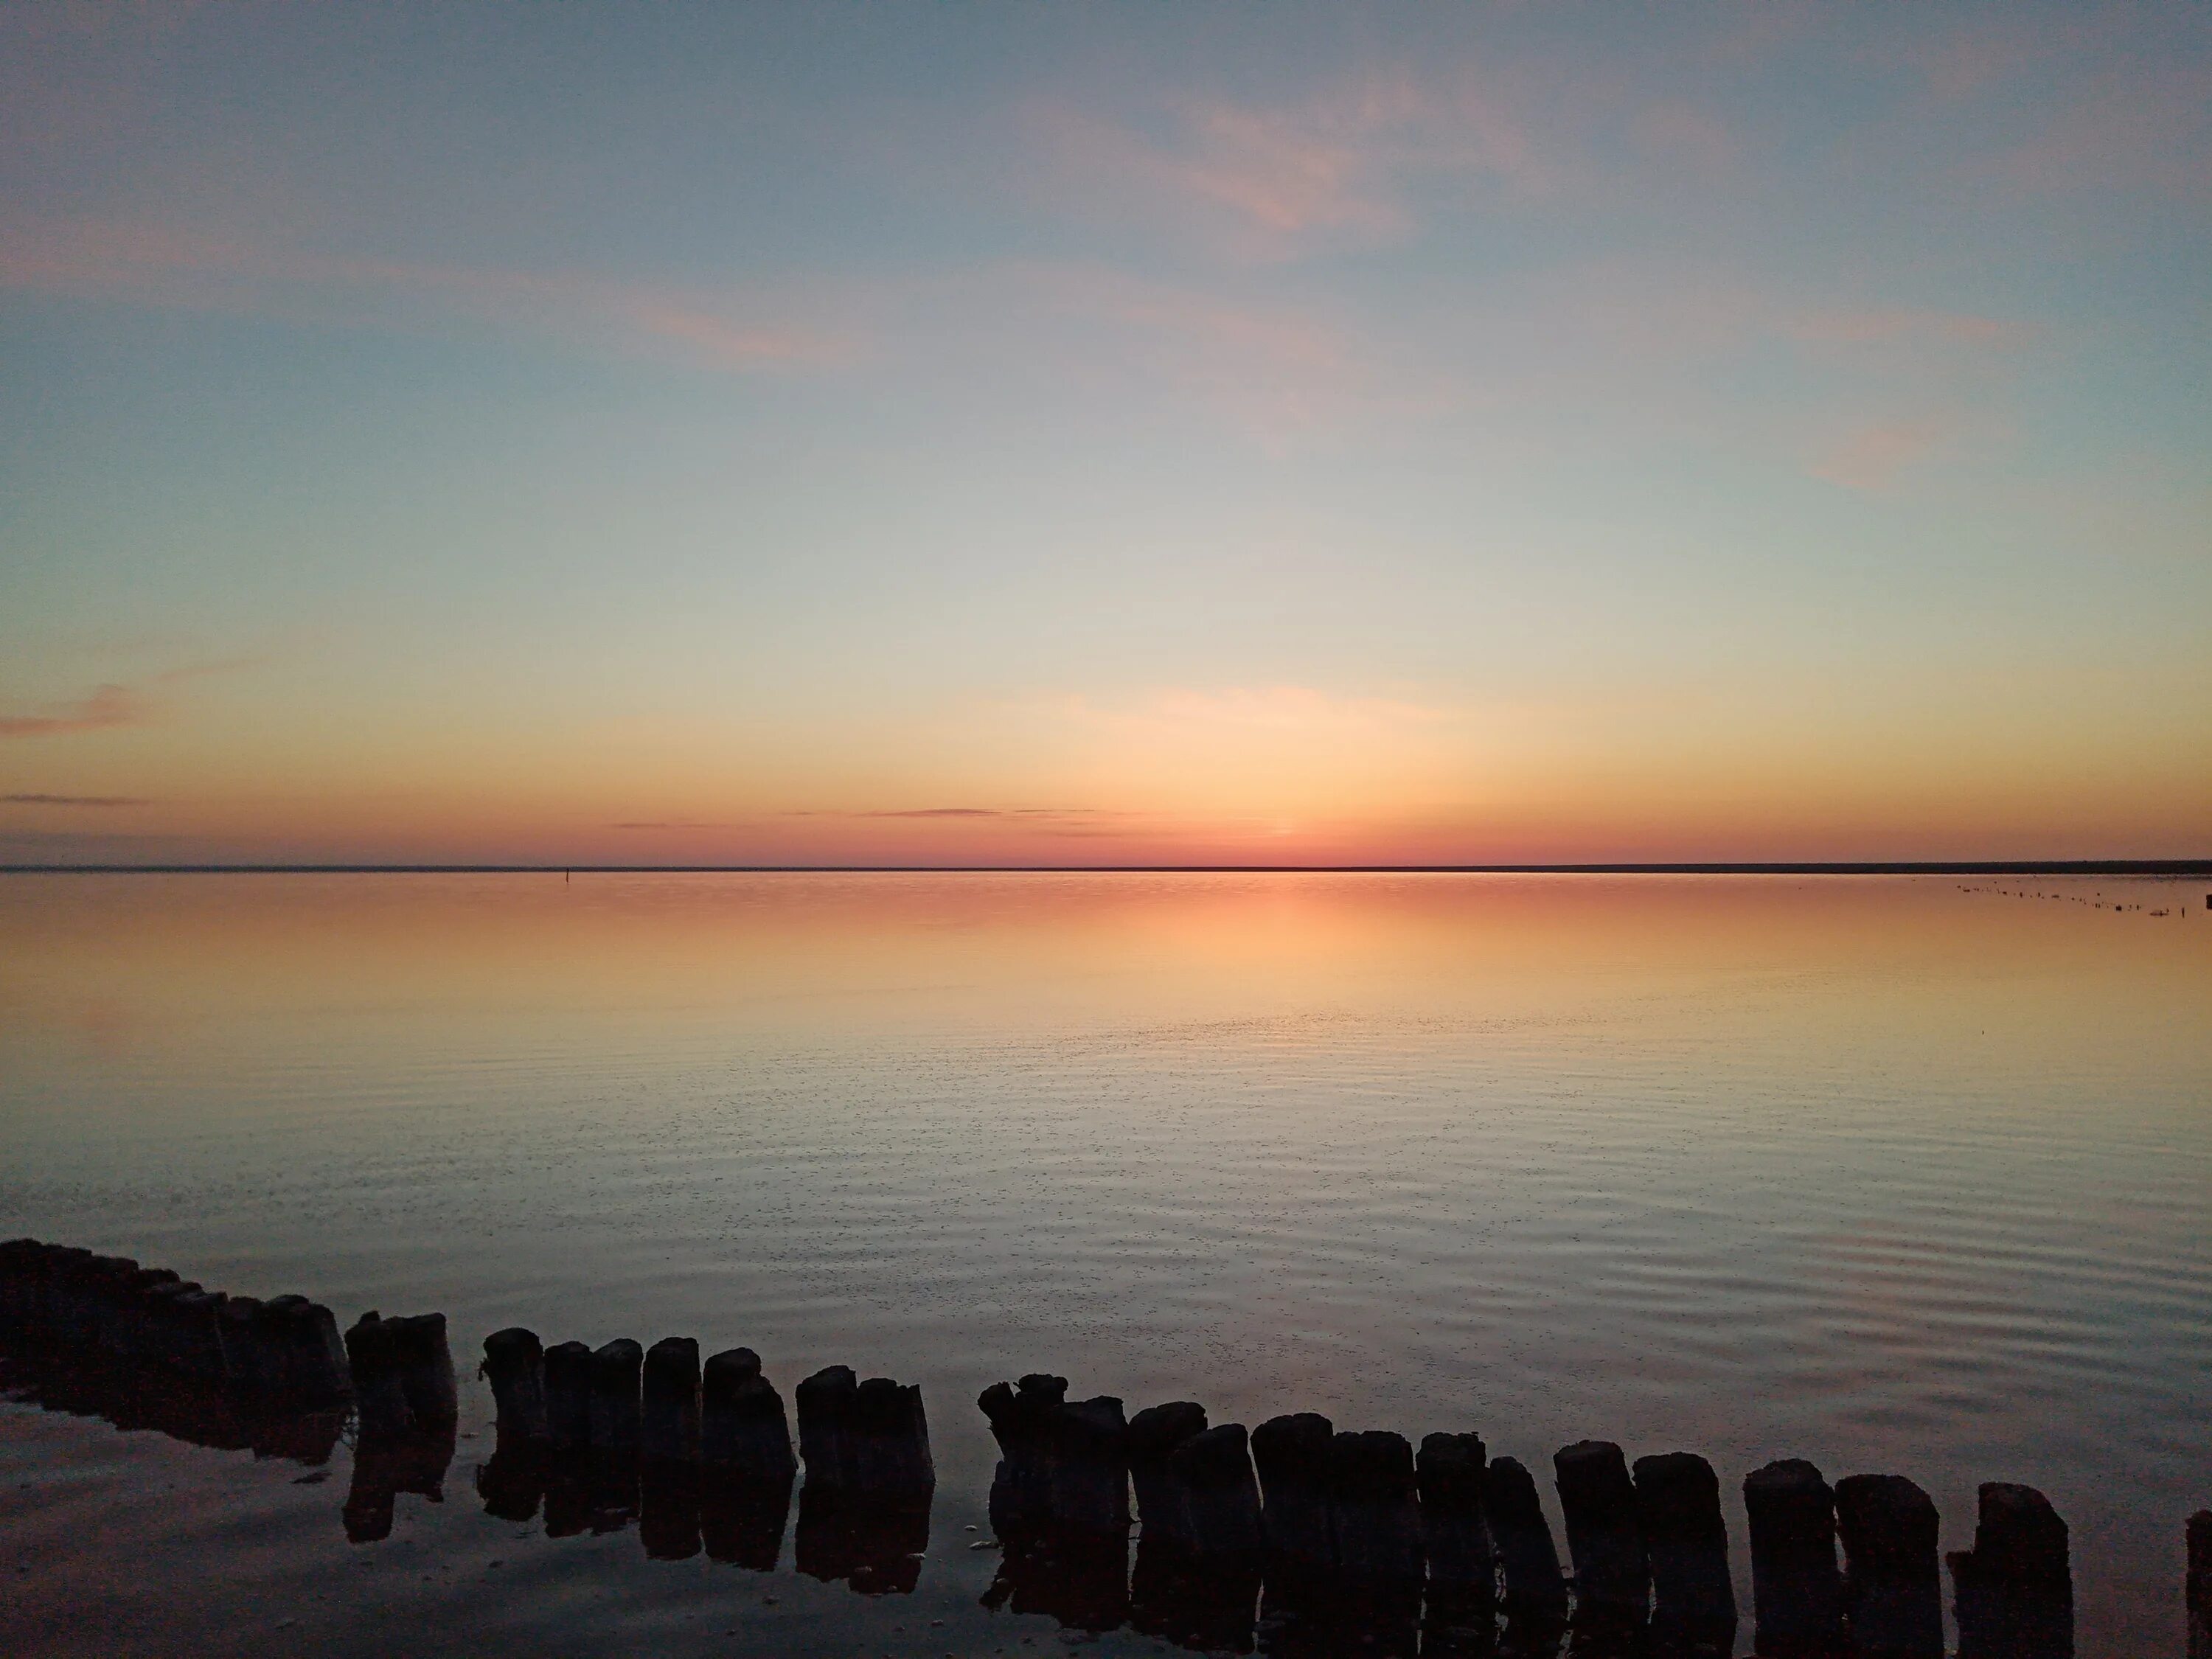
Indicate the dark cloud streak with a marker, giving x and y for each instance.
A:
(36, 800)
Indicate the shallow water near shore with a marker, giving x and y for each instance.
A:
(1898, 1174)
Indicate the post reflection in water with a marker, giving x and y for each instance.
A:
(873, 1543)
(385, 1465)
(1191, 1601)
(184, 1408)
(680, 1511)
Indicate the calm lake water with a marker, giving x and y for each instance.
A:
(1884, 1173)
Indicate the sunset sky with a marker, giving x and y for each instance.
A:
(1095, 434)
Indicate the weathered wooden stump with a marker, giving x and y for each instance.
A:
(1211, 1475)
(1797, 1594)
(298, 1340)
(380, 1399)
(871, 1437)
(1063, 1464)
(568, 1396)
(1605, 1538)
(515, 1366)
(2014, 1588)
(1291, 1455)
(1678, 1503)
(1536, 1589)
(2198, 1584)
(21, 1269)
(669, 1429)
(617, 1368)
(1375, 1508)
(1154, 1434)
(1451, 1471)
(1892, 1587)
(743, 1435)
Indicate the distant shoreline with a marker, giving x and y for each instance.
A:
(2177, 868)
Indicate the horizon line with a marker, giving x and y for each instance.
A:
(2167, 868)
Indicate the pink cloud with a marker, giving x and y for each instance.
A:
(157, 265)
(1871, 457)
(1269, 179)
(102, 707)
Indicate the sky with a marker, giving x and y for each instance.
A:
(1099, 434)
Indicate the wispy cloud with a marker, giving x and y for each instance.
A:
(1871, 457)
(1271, 179)
(34, 800)
(158, 266)
(99, 709)
(107, 707)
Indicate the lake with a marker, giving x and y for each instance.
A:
(1900, 1174)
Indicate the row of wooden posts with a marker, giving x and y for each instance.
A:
(1362, 1512)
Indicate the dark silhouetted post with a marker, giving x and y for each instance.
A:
(1678, 1501)
(379, 1398)
(825, 1409)
(403, 1374)
(670, 1433)
(1536, 1589)
(2198, 1533)
(1064, 1465)
(249, 1354)
(863, 1511)
(2014, 1588)
(568, 1396)
(1154, 1434)
(128, 1339)
(301, 1339)
(515, 1366)
(1374, 1508)
(1796, 1591)
(749, 1467)
(426, 1369)
(1598, 1499)
(1450, 1473)
(1211, 1475)
(744, 1434)
(1291, 1455)
(1892, 1588)
(871, 1437)
(617, 1371)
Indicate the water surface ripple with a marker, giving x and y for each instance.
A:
(1876, 1172)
